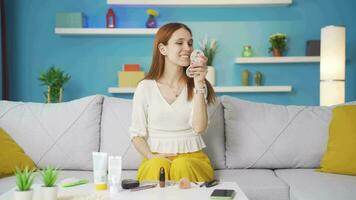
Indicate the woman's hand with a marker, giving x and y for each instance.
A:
(199, 70)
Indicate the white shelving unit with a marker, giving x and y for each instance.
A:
(202, 2)
(244, 89)
(225, 89)
(106, 31)
(121, 90)
(283, 59)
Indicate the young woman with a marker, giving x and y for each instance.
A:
(170, 110)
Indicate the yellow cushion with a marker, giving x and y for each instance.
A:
(341, 150)
(12, 155)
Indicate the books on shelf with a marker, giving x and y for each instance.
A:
(131, 67)
(130, 75)
(70, 20)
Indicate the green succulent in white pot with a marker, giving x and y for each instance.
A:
(24, 181)
(49, 188)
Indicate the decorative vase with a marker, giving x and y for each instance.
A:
(245, 77)
(49, 193)
(210, 76)
(110, 19)
(247, 51)
(49, 93)
(23, 195)
(258, 78)
(277, 52)
(151, 22)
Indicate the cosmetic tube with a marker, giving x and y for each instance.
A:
(100, 166)
(114, 173)
(162, 178)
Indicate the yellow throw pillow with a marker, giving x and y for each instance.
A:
(341, 150)
(12, 155)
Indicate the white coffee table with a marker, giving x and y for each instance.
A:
(172, 192)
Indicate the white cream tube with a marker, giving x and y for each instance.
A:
(100, 167)
(114, 173)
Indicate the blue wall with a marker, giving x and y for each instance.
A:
(93, 61)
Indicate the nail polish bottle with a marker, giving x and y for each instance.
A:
(162, 178)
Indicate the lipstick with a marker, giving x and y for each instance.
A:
(162, 178)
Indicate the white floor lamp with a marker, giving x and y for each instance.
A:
(332, 65)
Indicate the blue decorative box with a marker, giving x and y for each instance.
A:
(70, 20)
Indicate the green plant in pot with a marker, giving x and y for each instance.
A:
(209, 48)
(54, 79)
(278, 44)
(24, 181)
(49, 177)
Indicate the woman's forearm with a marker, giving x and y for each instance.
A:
(142, 146)
(200, 114)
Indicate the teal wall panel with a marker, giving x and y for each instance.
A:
(93, 61)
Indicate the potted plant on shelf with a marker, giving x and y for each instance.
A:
(54, 79)
(278, 44)
(49, 177)
(209, 48)
(24, 181)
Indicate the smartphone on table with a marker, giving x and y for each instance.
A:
(222, 194)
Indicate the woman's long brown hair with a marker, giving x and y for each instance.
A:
(158, 60)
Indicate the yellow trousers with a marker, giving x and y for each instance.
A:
(195, 166)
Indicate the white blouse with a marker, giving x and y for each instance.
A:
(166, 127)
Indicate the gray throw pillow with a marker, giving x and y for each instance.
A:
(63, 135)
(261, 135)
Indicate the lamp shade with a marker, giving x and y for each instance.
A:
(332, 92)
(332, 65)
(332, 53)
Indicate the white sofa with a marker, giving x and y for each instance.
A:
(271, 151)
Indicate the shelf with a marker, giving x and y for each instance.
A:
(106, 31)
(295, 59)
(202, 2)
(225, 89)
(240, 89)
(121, 90)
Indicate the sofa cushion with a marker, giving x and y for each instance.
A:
(214, 137)
(257, 184)
(260, 135)
(341, 150)
(307, 184)
(12, 156)
(62, 134)
(115, 136)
